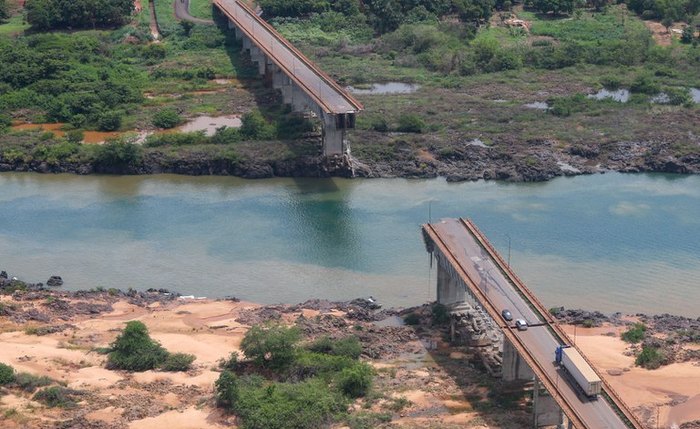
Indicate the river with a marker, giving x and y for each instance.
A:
(611, 242)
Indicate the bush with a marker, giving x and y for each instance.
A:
(176, 139)
(56, 396)
(178, 362)
(118, 153)
(134, 350)
(29, 382)
(255, 127)
(347, 346)
(7, 374)
(645, 84)
(441, 316)
(650, 358)
(75, 136)
(356, 380)
(411, 319)
(231, 363)
(227, 389)
(634, 334)
(309, 364)
(270, 346)
(109, 121)
(410, 123)
(307, 405)
(166, 118)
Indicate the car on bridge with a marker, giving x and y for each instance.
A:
(521, 325)
(507, 316)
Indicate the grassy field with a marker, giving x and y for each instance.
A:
(201, 9)
(13, 26)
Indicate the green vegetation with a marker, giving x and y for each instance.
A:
(411, 319)
(201, 9)
(440, 314)
(166, 118)
(56, 396)
(30, 382)
(634, 334)
(4, 10)
(134, 350)
(303, 387)
(7, 374)
(675, 10)
(68, 14)
(650, 357)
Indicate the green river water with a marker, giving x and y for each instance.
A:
(609, 242)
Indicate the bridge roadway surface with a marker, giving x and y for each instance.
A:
(330, 96)
(538, 340)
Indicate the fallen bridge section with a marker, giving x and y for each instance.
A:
(303, 85)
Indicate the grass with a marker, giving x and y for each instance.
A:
(201, 9)
(13, 26)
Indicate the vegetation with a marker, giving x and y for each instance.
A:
(635, 333)
(650, 357)
(411, 319)
(166, 118)
(4, 10)
(67, 14)
(30, 382)
(134, 350)
(56, 396)
(7, 374)
(303, 387)
(440, 314)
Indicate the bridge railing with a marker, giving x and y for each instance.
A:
(617, 400)
(316, 83)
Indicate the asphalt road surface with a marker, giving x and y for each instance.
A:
(540, 342)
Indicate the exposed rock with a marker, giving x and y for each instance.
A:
(54, 281)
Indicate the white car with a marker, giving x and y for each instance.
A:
(521, 325)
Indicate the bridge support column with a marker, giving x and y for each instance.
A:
(332, 136)
(514, 367)
(545, 410)
(449, 290)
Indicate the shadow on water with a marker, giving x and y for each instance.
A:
(325, 220)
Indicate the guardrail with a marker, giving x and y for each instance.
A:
(287, 57)
(617, 401)
(514, 339)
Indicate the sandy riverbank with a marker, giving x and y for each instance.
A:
(444, 385)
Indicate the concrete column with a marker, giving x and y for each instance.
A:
(332, 136)
(246, 43)
(449, 290)
(545, 411)
(514, 367)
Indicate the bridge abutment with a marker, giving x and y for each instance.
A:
(514, 366)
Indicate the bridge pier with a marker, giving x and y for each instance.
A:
(449, 290)
(545, 410)
(514, 367)
(333, 123)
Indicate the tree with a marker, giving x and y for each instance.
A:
(166, 118)
(557, 7)
(4, 10)
(687, 35)
(270, 346)
(134, 350)
(667, 23)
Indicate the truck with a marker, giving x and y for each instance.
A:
(571, 360)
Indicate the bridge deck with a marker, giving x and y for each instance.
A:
(331, 97)
(484, 272)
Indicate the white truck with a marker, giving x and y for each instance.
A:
(572, 361)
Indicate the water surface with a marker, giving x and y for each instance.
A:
(610, 242)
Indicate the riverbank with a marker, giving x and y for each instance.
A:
(412, 157)
(421, 380)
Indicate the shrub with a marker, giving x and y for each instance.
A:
(634, 334)
(356, 380)
(270, 346)
(29, 382)
(347, 346)
(309, 364)
(56, 396)
(7, 374)
(644, 83)
(441, 316)
(166, 118)
(231, 363)
(227, 389)
(650, 358)
(75, 136)
(411, 319)
(134, 350)
(255, 127)
(410, 123)
(109, 121)
(118, 152)
(176, 139)
(307, 405)
(178, 362)
(678, 96)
